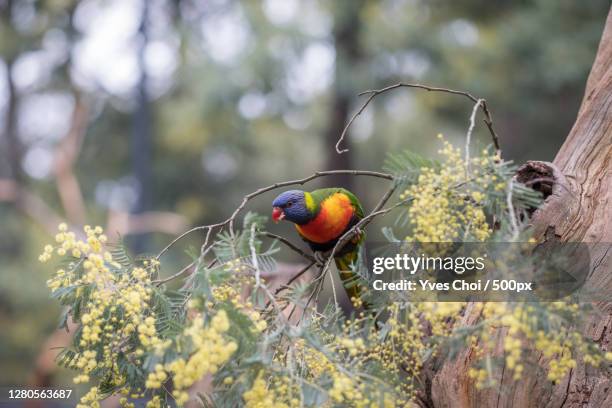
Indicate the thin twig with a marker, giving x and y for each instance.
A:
(254, 259)
(468, 137)
(288, 284)
(203, 251)
(291, 245)
(258, 282)
(294, 278)
(180, 273)
(318, 286)
(511, 213)
(333, 286)
(373, 93)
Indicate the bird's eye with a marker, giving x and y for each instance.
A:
(289, 204)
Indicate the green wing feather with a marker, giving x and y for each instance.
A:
(323, 193)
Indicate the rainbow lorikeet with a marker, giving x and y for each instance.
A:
(321, 217)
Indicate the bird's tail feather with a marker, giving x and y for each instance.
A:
(352, 282)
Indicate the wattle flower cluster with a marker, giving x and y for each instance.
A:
(558, 346)
(117, 317)
(276, 394)
(114, 305)
(211, 349)
(448, 202)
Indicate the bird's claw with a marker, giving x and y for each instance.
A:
(357, 234)
(320, 257)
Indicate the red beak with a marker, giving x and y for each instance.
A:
(277, 214)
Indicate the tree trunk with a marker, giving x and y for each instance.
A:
(577, 209)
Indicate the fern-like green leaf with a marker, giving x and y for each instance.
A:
(406, 166)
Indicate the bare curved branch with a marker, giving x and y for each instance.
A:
(373, 93)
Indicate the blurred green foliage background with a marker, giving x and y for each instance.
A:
(173, 110)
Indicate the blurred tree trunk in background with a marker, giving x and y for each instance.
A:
(141, 136)
(11, 148)
(13, 151)
(578, 210)
(349, 56)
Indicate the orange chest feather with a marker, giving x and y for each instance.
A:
(331, 221)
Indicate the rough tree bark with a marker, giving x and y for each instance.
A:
(578, 208)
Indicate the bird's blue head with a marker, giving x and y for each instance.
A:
(291, 206)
